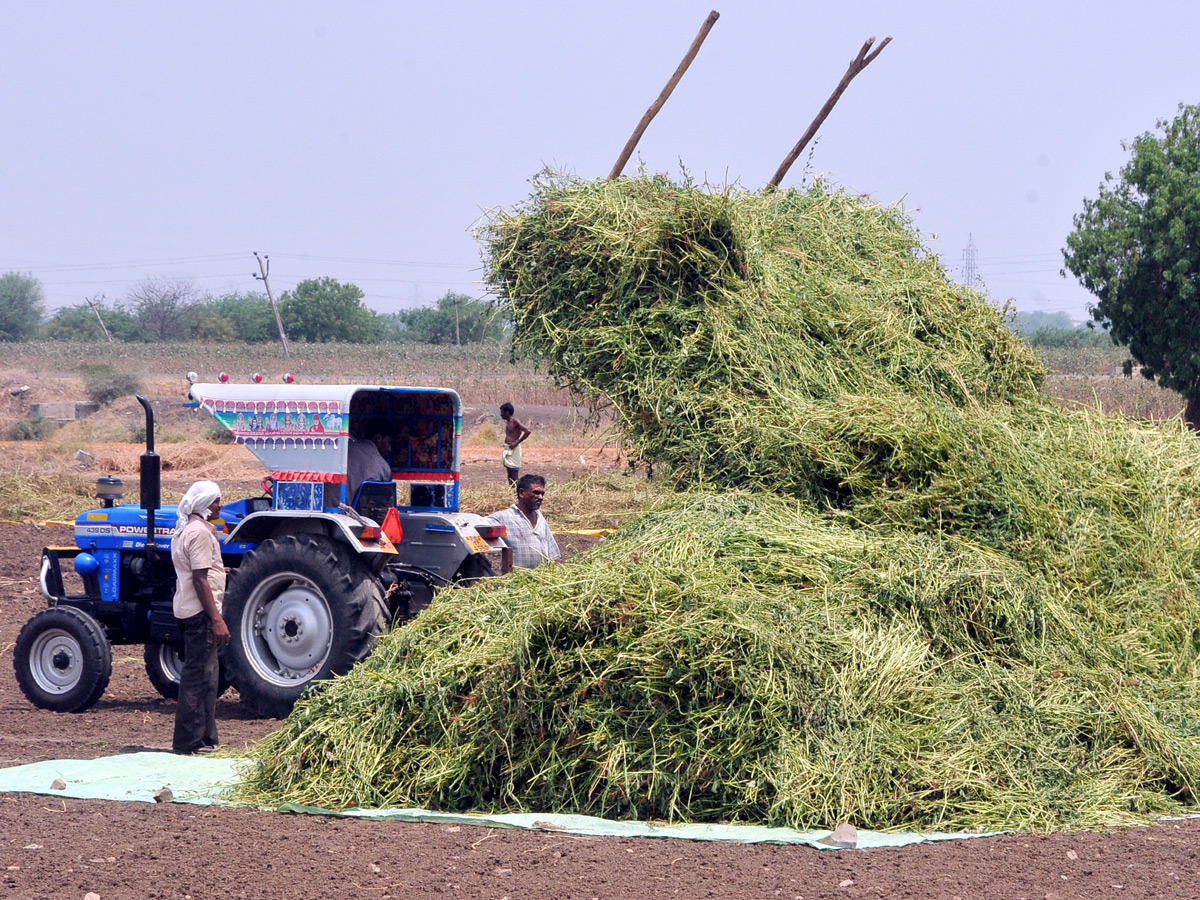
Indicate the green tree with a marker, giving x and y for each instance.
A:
(454, 319)
(79, 323)
(323, 309)
(239, 316)
(213, 327)
(21, 305)
(1137, 248)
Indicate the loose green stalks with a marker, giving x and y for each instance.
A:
(729, 657)
(898, 585)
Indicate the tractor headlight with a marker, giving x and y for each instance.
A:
(86, 564)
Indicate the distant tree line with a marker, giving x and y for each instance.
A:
(318, 310)
(321, 310)
(1042, 329)
(454, 319)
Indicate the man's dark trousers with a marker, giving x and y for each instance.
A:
(196, 712)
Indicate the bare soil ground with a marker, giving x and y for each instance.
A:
(54, 847)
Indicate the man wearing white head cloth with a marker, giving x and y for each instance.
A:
(199, 589)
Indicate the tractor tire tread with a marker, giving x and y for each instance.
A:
(96, 657)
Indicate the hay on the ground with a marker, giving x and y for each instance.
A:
(924, 596)
(734, 658)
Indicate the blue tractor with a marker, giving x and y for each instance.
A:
(316, 573)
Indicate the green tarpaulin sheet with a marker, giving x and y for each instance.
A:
(205, 779)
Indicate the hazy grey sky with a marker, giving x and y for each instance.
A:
(363, 140)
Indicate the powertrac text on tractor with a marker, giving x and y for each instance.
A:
(315, 574)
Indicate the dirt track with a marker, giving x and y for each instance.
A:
(52, 847)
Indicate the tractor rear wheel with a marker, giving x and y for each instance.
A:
(300, 609)
(164, 663)
(473, 568)
(62, 659)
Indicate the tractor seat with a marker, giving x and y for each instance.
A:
(375, 498)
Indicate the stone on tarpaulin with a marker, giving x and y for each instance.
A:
(844, 837)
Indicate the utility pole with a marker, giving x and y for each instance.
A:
(457, 342)
(264, 269)
(96, 310)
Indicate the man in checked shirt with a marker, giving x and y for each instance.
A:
(528, 532)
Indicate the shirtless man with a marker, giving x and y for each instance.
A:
(514, 434)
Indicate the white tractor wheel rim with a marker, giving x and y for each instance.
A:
(287, 630)
(56, 661)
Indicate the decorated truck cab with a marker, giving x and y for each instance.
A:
(318, 568)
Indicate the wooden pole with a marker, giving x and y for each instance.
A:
(103, 327)
(857, 64)
(264, 271)
(662, 98)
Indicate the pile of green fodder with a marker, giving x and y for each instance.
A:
(734, 657)
(805, 344)
(732, 332)
(921, 594)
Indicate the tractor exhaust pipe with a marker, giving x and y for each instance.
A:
(151, 478)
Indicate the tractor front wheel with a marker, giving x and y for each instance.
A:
(63, 660)
(300, 609)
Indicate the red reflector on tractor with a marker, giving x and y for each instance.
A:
(370, 533)
(392, 527)
(491, 532)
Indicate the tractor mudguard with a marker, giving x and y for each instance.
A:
(259, 526)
